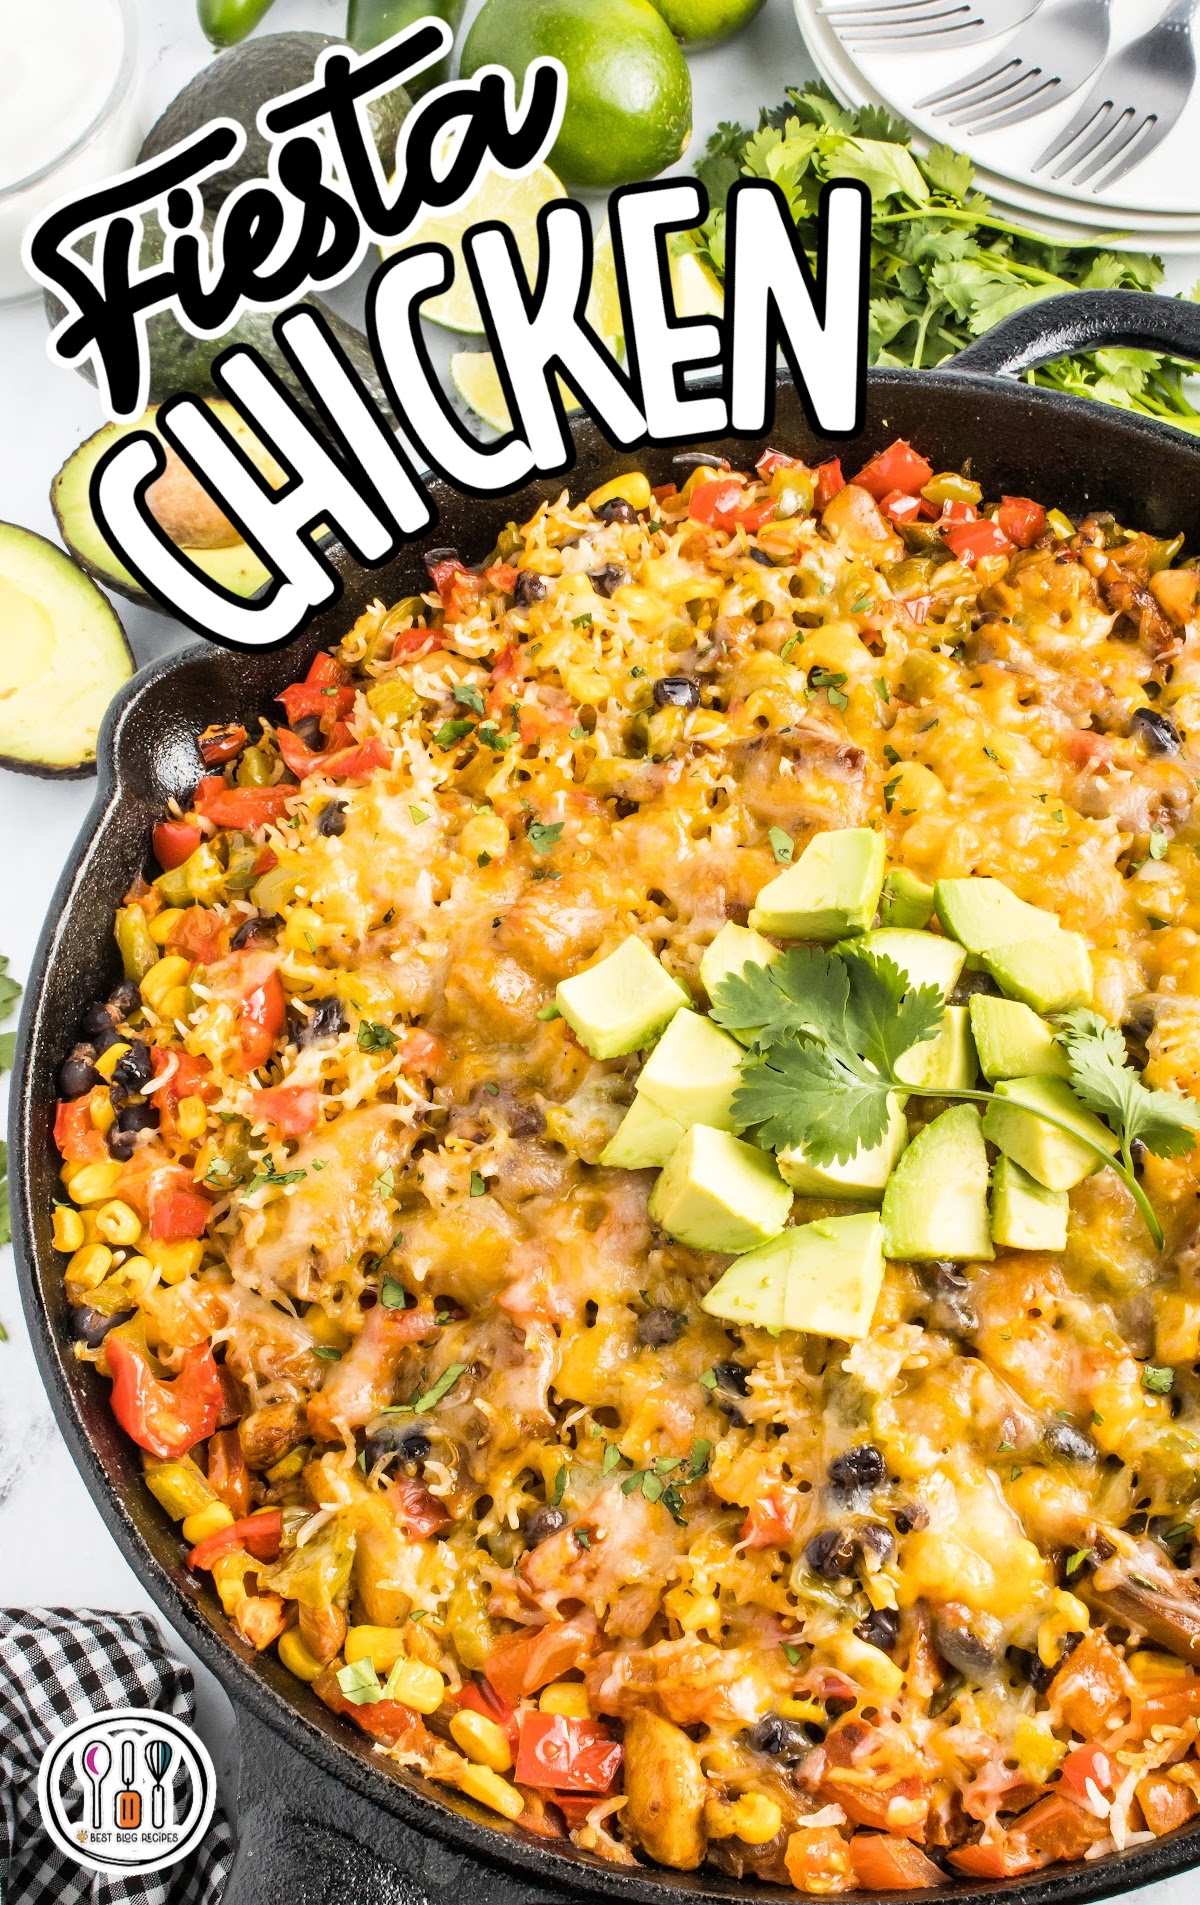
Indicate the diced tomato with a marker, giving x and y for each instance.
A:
(830, 482)
(479, 1697)
(246, 807)
(663, 490)
(302, 699)
(75, 1135)
(260, 1534)
(200, 934)
(1174, 1706)
(461, 590)
(1088, 1763)
(410, 641)
(769, 1522)
(1022, 520)
(885, 1864)
(818, 1861)
(165, 1417)
(189, 1079)
(420, 1511)
(1086, 748)
(263, 1013)
(566, 1755)
(502, 576)
(260, 1619)
(421, 1053)
(1165, 1804)
(339, 761)
(575, 1807)
(723, 504)
(959, 513)
(1091, 1686)
(221, 742)
(443, 574)
(174, 842)
(899, 508)
(897, 468)
(772, 460)
(228, 1472)
(177, 1215)
(267, 859)
(326, 671)
(355, 763)
(519, 1664)
(971, 541)
(1003, 1858)
(296, 1109)
(535, 720)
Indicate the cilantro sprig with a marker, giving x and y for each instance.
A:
(827, 1029)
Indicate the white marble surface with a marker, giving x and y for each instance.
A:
(54, 1548)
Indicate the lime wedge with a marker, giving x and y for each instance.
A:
(696, 289)
(512, 202)
(473, 375)
(604, 302)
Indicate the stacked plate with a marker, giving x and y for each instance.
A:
(1155, 207)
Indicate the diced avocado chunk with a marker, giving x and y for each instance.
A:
(621, 1004)
(936, 1202)
(645, 1137)
(1051, 974)
(1053, 1157)
(1025, 1215)
(925, 959)
(718, 1193)
(734, 948)
(905, 901)
(982, 913)
(693, 1072)
(944, 1063)
(864, 1175)
(833, 888)
(1012, 1042)
(824, 1278)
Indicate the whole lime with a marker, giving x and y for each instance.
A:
(707, 22)
(629, 92)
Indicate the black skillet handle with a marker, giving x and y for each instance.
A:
(1084, 321)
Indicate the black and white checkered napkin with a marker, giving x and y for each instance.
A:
(57, 1666)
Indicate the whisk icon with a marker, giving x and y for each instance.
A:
(158, 1757)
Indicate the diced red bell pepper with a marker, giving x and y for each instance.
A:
(883, 1863)
(566, 1755)
(772, 460)
(897, 468)
(165, 1417)
(177, 1215)
(971, 541)
(222, 742)
(302, 699)
(958, 513)
(260, 1534)
(502, 576)
(410, 641)
(263, 1011)
(202, 935)
(421, 1053)
(830, 482)
(661, 491)
(296, 1109)
(479, 1697)
(724, 504)
(1088, 1763)
(229, 1473)
(1022, 520)
(338, 762)
(76, 1136)
(1175, 1705)
(174, 842)
(899, 508)
(267, 859)
(417, 1508)
(519, 1664)
(247, 808)
(1000, 1859)
(769, 1523)
(443, 574)
(388, 1721)
(1058, 1828)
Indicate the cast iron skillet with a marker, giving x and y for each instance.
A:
(322, 1819)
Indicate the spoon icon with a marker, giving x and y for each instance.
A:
(97, 1759)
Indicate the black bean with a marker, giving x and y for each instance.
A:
(543, 1523)
(132, 1118)
(529, 587)
(99, 1022)
(434, 556)
(326, 1020)
(731, 1377)
(308, 730)
(862, 1467)
(264, 927)
(397, 1442)
(760, 555)
(660, 1326)
(786, 1740)
(1030, 1667)
(135, 1068)
(952, 1310)
(877, 1541)
(610, 577)
(676, 691)
(911, 1517)
(525, 1120)
(90, 1326)
(1069, 1443)
(832, 1553)
(616, 510)
(838, 1703)
(1158, 731)
(125, 999)
(332, 820)
(880, 1629)
(78, 1073)
(971, 1643)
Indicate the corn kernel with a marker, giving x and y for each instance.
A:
(296, 1657)
(1177, 1333)
(1070, 1616)
(67, 1229)
(163, 977)
(568, 1697)
(703, 473)
(303, 930)
(109, 1059)
(1148, 1665)
(100, 1110)
(755, 1818)
(793, 1709)
(481, 1783)
(382, 1646)
(93, 1183)
(191, 1116)
(415, 1685)
(135, 1275)
(175, 1262)
(90, 1266)
(206, 1521)
(163, 924)
(1038, 1753)
(692, 1610)
(229, 1573)
(174, 1003)
(633, 488)
(870, 1666)
(484, 833)
(481, 1740)
(118, 1223)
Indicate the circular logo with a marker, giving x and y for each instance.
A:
(128, 1790)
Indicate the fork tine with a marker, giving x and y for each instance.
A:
(853, 28)
(983, 112)
(913, 27)
(1094, 104)
(1125, 130)
(1040, 100)
(851, 19)
(955, 94)
(1139, 150)
(846, 9)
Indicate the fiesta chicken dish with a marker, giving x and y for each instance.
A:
(639, 1193)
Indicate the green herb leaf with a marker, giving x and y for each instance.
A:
(782, 845)
(450, 732)
(478, 1186)
(373, 1037)
(1159, 1382)
(417, 815)
(560, 1485)
(441, 1387)
(393, 1295)
(612, 1459)
(360, 1683)
(327, 1353)
(8, 1046)
(543, 837)
(794, 1655)
(1102, 1077)
(547, 1012)
(468, 696)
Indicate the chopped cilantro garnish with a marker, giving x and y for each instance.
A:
(545, 836)
(478, 1186)
(782, 845)
(373, 1037)
(393, 1295)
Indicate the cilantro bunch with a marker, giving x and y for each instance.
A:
(826, 1030)
(944, 267)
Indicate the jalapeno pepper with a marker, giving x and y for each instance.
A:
(368, 22)
(225, 22)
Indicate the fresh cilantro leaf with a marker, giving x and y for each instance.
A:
(441, 1387)
(887, 1016)
(8, 1046)
(612, 1459)
(9, 988)
(478, 1185)
(5, 1213)
(417, 815)
(560, 1484)
(582, 1537)
(1102, 1077)
(360, 1683)
(545, 836)
(450, 732)
(708, 1380)
(1159, 1382)
(793, 1653)
(806, 991)
(373, 1037)
(803, 1093)
(392, 1295)
(385, 1183)
(468, 696)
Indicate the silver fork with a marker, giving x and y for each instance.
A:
(941, 22)
(1133, 106)
(1046, 63)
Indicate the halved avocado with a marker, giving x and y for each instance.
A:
(182, 507)
(63, 656)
